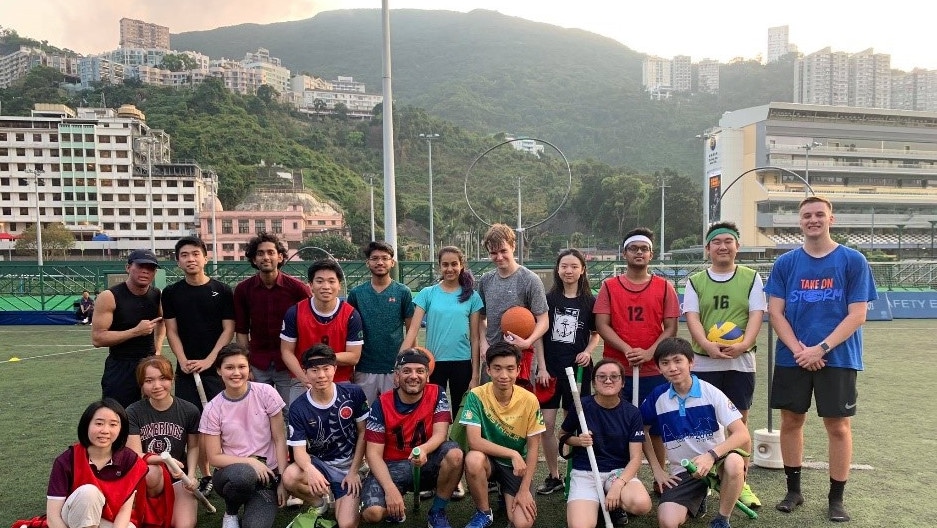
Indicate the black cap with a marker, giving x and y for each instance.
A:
(143, 256)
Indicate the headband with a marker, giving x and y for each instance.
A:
(722, 231)
(318, 361)
(637, 238)
(411, 356)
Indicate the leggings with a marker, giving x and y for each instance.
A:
(238, 485)
(457, 374)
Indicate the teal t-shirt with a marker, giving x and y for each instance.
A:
(447, 322)
(382, 316)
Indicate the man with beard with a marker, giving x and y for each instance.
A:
(386, 307)
(259, 305)
(414, 415)
(128, 320)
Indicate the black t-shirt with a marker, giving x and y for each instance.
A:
(164, 430)
(198, 311)
(571, 325)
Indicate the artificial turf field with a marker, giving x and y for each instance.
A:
(895, 432)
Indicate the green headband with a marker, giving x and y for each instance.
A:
(722, 231)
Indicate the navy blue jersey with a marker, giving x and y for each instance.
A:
(613, 430)
(328, 432)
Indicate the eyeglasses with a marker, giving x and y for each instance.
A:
(602, 378)
(380, 259)
(638, 249)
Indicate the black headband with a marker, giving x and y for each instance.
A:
(412, 356)
(318, 361)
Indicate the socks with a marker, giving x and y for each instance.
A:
(836, 490)
(439, 503)
(793, 478)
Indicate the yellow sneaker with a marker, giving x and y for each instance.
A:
(749, 498)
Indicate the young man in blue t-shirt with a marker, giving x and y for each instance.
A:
(818, 302)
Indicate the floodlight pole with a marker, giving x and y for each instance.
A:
(390, 186)
(432, 234)
(37, 173)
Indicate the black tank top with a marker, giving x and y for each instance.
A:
(129, 310)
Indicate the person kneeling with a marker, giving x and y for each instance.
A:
(689, 415)
(611, 422)
(398, 423)
(326, 426)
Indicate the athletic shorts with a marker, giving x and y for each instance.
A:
(689, 493)
(834, 389)
(334, 475)
(401, 473)
(738, 386)
(582, 484)
(373, 385)
(504, 475)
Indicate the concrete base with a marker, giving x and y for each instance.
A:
(767, 449)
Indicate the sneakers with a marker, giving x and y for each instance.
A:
(492, 486)
(619, 517)
(292, 501)
(205, 486)
(230, 521)
(550, 484)
(837, 512)
(480, 520)
(749, 498)
(437, 519)
(391, 520)
(458, 493)
(720, 522)
(427, 494)
(703, 507)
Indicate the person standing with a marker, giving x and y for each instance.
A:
(259, 305)
(199, 315)
(503, 427)
(326, 432)
(415, 414)
(726, 293)
(506, 286)
(819, 296)
(452, 308)
(635, 311)
(325, 318)
(129, 322)
(569, 343)
(386, 307)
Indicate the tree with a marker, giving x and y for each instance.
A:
(57, 240)
(337, 245)
(178, 62)
(341, 111)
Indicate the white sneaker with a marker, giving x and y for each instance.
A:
(230, 521)
(294, 501)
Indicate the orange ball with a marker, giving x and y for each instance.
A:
(432, 358)
(519, 321)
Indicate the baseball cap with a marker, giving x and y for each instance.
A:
(143, 256)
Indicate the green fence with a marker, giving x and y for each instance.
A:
(24, 286)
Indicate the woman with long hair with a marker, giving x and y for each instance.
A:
(452, 309)
(569, 342)
(160, 423)
(244, 436)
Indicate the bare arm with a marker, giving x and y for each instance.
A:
(175, 343)
(350, 356)
(102, 336)
(242, 339)
(738, 437)
(122, 519)
(54, 513)
(288, 354)
(780, 323)
(413, 329)
(227, 333)
(695, 326)
(476, 442)
(159, 334)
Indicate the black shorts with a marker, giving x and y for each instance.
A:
(186, 389)
(689, 493)
(563, 396)
(401, 473)
(119, 380)
(504, 475)
(834, 389)
(738, 386)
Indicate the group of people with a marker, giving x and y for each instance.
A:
(286, 390)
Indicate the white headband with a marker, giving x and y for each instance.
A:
(637, 238)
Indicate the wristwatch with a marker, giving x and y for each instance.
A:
(823, 346)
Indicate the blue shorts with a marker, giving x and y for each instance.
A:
(401, 473)
(334, 475)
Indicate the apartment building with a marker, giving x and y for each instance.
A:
(682, 73)
(140, 34)
(708, 76)
(778, 43)
(17, 64)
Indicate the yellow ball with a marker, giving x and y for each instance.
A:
(725, 333)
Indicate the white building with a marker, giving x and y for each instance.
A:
(708, 75)
(17, 64)
(359, 105)
(347, 84)
(682, 72)
(99, 170)
(301, 83)
(268, 69)
(657, 76)
(95, 69)
(778, 43)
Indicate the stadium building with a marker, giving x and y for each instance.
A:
(877, 166)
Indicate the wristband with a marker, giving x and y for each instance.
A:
(713, 454)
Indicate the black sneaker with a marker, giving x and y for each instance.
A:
(619, 517)
(205, 486)
(550, 484)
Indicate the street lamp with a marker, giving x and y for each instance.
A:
(214, 224)
(38, 174)
(370, 177)
(432, 240)
(149, 140)
(807, 148)
(663, 185)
